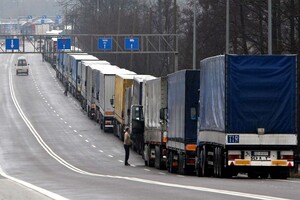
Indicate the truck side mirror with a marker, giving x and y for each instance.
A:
(112, 101)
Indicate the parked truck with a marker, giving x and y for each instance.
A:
(122, 81)
(134, 105)
(106, 91)
(74, 62)
(182, 109)
(247, 120)
(82, 79)
(155, 133)
(93, 82)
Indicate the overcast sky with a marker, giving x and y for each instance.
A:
(35, 8)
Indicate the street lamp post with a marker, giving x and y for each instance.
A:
(194, 37)
(270, 27)
(227, 27)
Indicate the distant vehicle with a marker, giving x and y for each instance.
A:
(22, 66)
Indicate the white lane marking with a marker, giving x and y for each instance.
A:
(147, 170)
(33, 187)
(86, 140)
(48, 104)
(289, 181)
(51, 108)
(101, 151)
(40, 140)
(94, 146)
(70, 126)
(75, 131)
(57, 115)
(80, 136)
(121, 161)
(180, 176)
(54, 111)
(61, 119)
(161, 173)
(110, 156)
(134, 179)
(66, 122)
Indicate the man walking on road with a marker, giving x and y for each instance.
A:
(127, 144)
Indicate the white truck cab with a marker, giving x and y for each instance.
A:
(22, 66)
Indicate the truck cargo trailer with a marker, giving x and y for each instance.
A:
(106, 91)
(182, 109)
(155, 131)
(247, 116)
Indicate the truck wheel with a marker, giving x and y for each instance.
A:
(181, 165)
(198, 167)
(279, 173)
(157, 161)
(220, 160)
(146, 158)
(204, 165)
(215, 166)
(171, 168)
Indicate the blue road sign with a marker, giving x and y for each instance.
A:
(12, 44)
(105, 43)
(58, 19)
(63, 43)
(131, 44)
(42, 21)
(29, 17)
(44, 17)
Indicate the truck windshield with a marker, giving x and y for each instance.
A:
(137, 113)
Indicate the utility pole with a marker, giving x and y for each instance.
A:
(227, 26)
(270, 27)
(175, 38)
(194, 37)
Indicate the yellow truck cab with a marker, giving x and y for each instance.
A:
(22, 66)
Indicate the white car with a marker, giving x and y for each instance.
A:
(22, 66)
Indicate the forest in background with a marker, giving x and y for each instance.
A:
(248, 27)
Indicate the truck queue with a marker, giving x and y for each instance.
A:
(236, 114)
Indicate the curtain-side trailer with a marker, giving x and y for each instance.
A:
(247, 121)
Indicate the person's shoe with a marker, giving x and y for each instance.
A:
(127, 164)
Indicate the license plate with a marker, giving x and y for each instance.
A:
(260, 155)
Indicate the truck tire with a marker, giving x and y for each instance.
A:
(221, 162)
(171, 168)
(181, 165)
(279, 173)
(157, 162)
(204, 165)
(198, 168)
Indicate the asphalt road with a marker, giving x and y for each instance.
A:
(50, 149)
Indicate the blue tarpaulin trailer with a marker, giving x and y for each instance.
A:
(247, 115)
